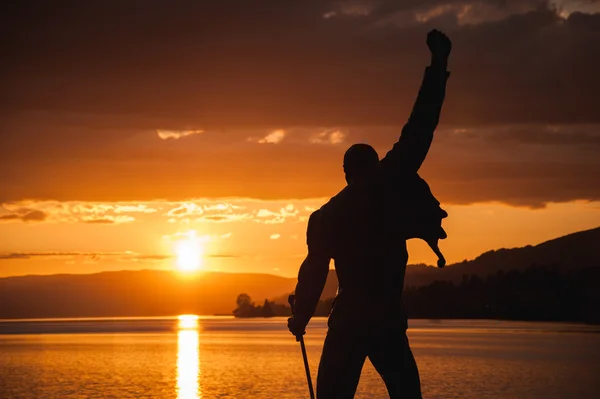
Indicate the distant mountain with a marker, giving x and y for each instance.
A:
(133, 293)
(570, 252)
(158, 293)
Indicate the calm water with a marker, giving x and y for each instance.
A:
(228, 358)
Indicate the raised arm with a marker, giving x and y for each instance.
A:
(410, 151)
(311, 277)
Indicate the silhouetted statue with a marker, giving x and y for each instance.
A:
(364, 229)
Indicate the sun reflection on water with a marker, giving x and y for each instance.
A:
(188, 321)
(188, 358)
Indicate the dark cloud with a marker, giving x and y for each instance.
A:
(14, 256)
(518, 165)
(99, 221)
(25, 215)
(29, 255)
(272, 62)
(97, 256)
(542, 135)
(87, 85)
(94, 256)
(34, 216)
(153, 257)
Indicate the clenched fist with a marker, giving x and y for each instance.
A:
(440, 46)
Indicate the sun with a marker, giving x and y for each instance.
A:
(189, 254)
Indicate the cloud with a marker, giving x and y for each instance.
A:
(274, 137)
(282, 215)
(351, 8)
(93, 257)
(329, 136)
(107, 219)
(275, 236)
(73, 211)
(189, 235)
(141, 208)
(240, 209)
(475, 12)
(358, 70)
(365, 73)
(234, 210)
(185, 210)
(49, 255)
(99, 221)
(537, 135)
(152, 257)
(87, 257)
(14, 256)
(223, 212)
(176, 134)
(220, 207)
(25, 215)
(516, 165)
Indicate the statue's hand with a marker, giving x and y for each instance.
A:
(439, 44)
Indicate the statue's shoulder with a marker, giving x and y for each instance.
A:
(335, 205)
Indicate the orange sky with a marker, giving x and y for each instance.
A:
(241, 235)
(125, 127)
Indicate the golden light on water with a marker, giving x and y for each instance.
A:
(188, 358)
(188, 321)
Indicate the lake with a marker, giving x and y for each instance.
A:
(222, 357)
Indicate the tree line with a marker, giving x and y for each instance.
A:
(538, 293)
(247, 308)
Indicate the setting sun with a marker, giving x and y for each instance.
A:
(189, 254)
